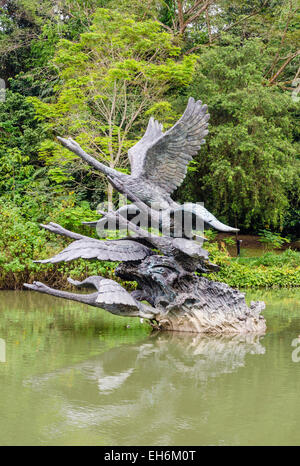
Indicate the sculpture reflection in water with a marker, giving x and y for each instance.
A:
(170, 293)
(169, 373)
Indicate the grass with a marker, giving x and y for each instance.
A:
(271, 258)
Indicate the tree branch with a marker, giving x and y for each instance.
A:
(180, 17)
(282, 68)
(196, 15)
(276, 59)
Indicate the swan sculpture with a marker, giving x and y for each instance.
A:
(171, 291)
(158, 166)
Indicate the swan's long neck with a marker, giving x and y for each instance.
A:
(75, 147)
(89, 298)
(99, 166)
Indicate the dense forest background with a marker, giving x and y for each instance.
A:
(96, 70)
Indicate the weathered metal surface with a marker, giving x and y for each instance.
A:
(169, 293)
(159, 164)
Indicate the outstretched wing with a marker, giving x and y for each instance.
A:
(110, 293)
(114, 298)
(165, 162)
(137, 153)
(114, 250)
(109, 296)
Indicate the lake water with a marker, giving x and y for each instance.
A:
(74, 375)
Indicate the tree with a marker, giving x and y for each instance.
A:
(249, 164)
(29, 31)
(110, 80)
(179, 15)
(20, 136)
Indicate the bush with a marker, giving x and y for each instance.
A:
(243, 276)
(272, 240)
(268, 270)
(286, 258)
(22, 241)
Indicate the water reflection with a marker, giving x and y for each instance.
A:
(78, 376)
(127, 385)
(197, 356)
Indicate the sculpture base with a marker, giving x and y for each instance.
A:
(219, 322)
(171, 298)
(186, 302)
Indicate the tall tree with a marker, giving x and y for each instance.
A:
(249, 164)
(109, 80)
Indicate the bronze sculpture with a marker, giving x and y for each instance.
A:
(170, 293)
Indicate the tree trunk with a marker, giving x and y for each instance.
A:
(110, 197)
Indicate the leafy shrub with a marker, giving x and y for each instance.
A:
(211, 235)
(243, 276)
(22, 241)
(268, 270)
(230, 241)
(268, 259)
(272, 240)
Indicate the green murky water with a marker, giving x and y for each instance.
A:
(72, 375)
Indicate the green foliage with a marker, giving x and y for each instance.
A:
(288, 258)
(30, 30)
(119, 69)
(75, 68)
(272, 240)
(268, 270)
(20, 136)
(249, 165)
(230, 241)
(243, 276)
(211, 235)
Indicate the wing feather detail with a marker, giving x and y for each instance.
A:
(137, 153)
(111, 250)
(114, 298)
(166, 159)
